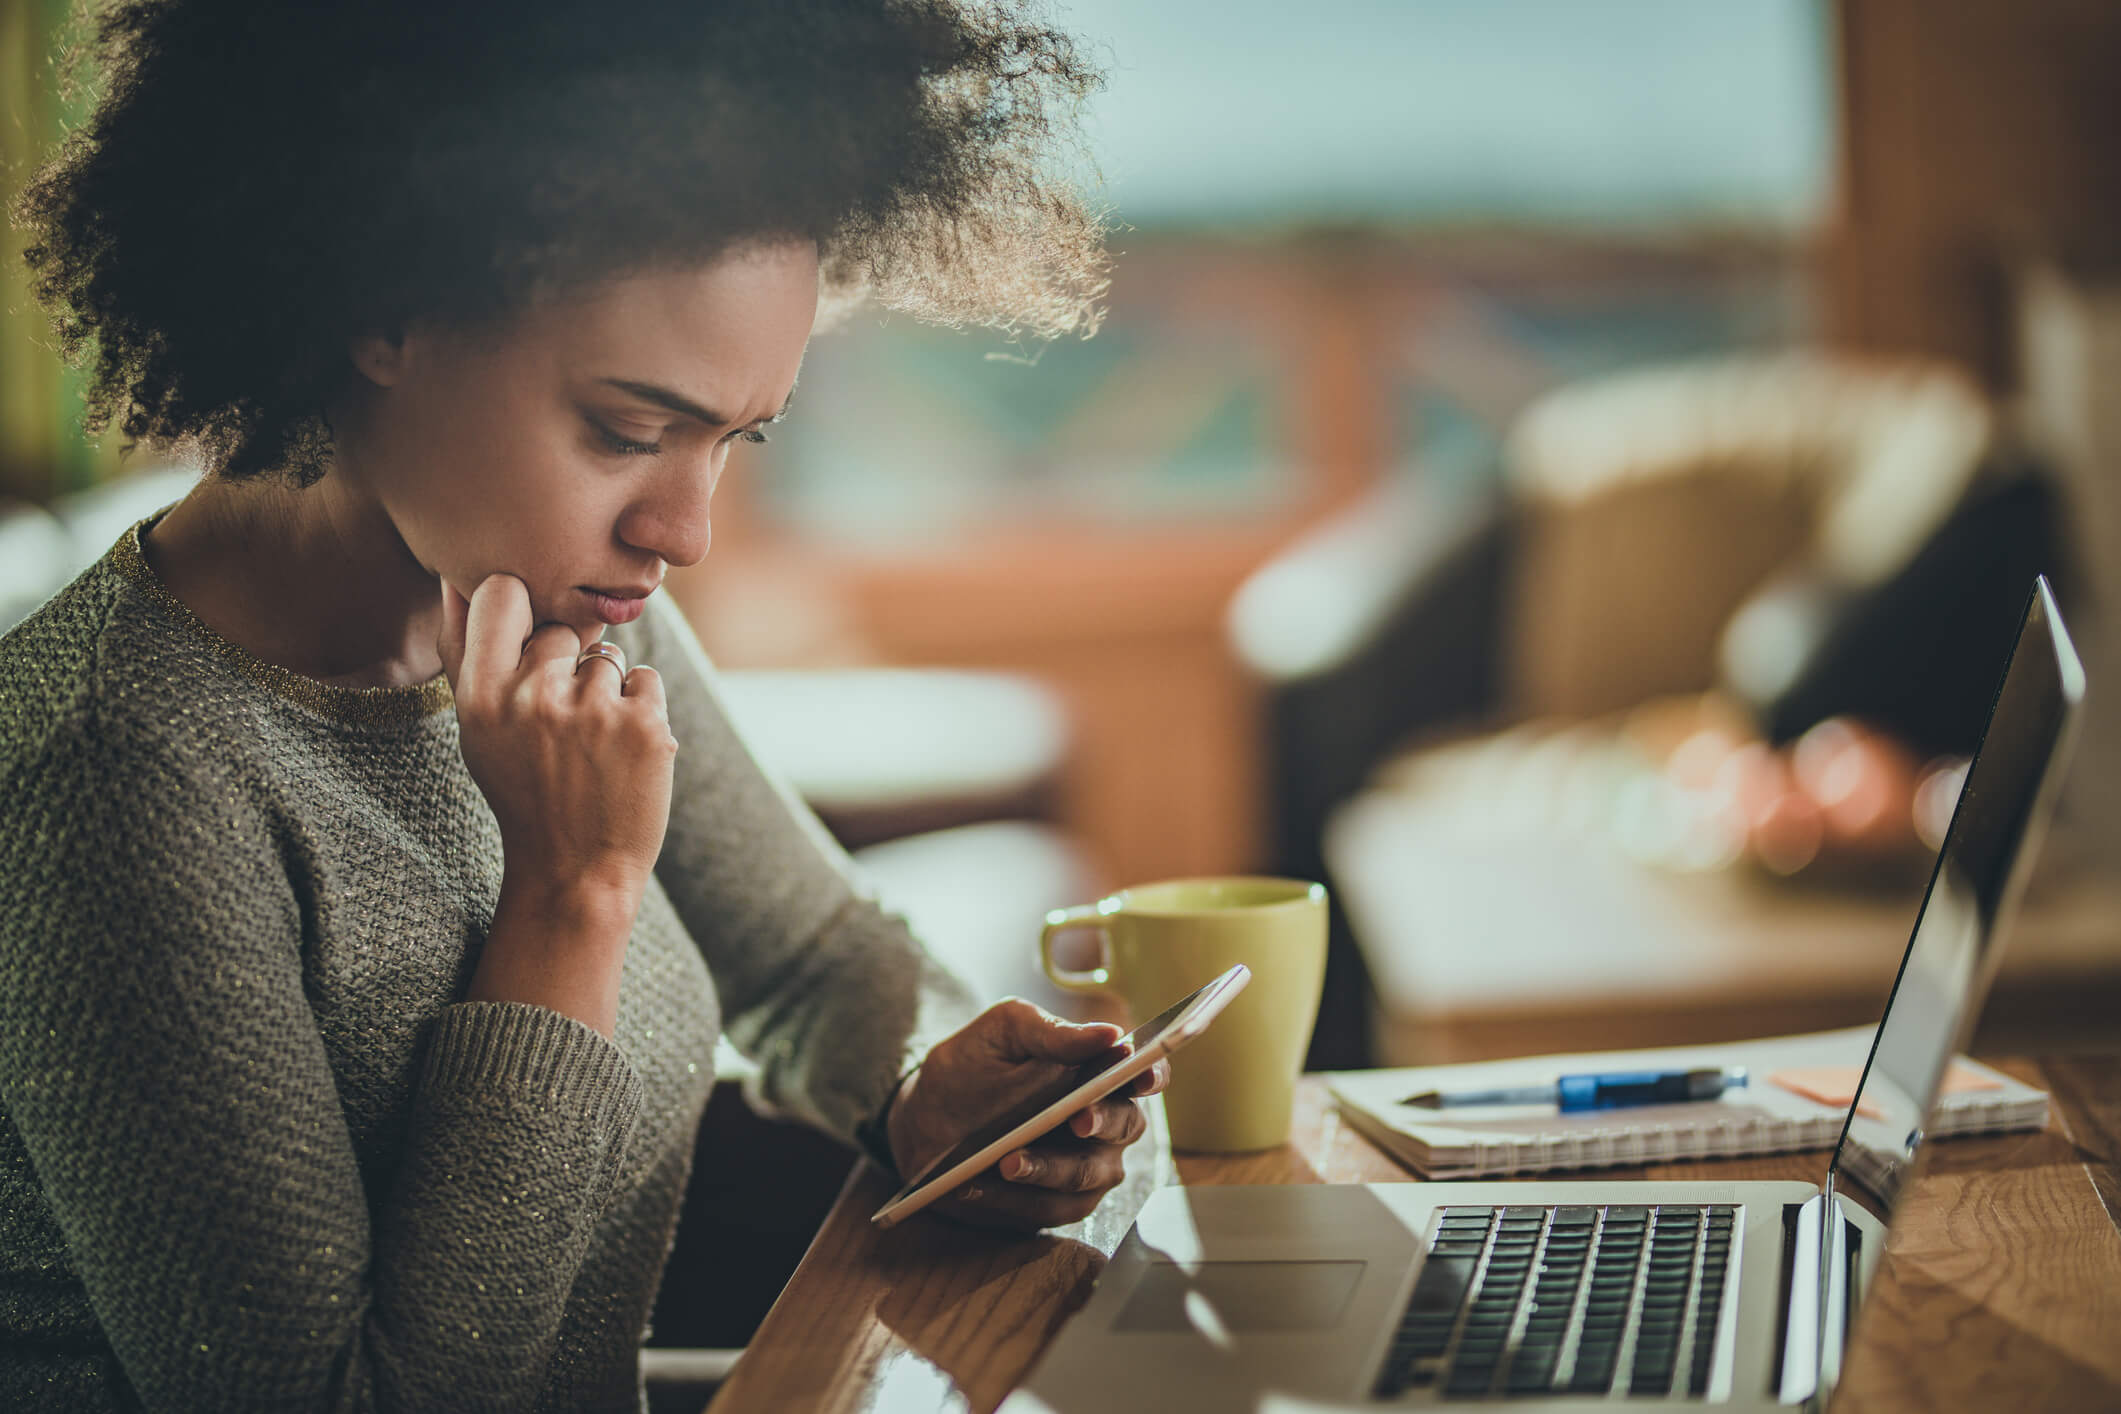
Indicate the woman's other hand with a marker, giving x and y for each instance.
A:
(577, 766)
(1005, 1053)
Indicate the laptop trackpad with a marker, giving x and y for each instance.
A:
(1241, 1296)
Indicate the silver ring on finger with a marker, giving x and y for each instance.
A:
(609, 652)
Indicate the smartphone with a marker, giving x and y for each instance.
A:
(1048, 1108)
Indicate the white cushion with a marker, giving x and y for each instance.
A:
(847, 739)
(977, 896)
(36, 560)
(98, 516)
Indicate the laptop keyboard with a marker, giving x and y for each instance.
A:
(1519, 1302)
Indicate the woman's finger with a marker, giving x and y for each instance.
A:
(645, 685)
(1023, 1031)
(1110, 1121)
(1090, 1168)
(450, 641)
(599, 673)
(551, 646)
(495, 626)
(1150, 1081)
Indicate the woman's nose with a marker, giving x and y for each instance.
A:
(674, 522)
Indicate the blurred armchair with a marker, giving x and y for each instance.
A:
(1811, 535)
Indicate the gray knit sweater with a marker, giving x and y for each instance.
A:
(254, 1151)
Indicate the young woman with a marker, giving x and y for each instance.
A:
(378, 868)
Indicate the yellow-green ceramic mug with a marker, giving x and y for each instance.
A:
(1234, 1088)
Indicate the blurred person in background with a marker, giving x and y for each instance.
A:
(378, 868)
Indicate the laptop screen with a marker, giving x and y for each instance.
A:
(1991, 841)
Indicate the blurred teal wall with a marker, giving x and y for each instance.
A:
(1223, 112)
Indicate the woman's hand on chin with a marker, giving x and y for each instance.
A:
(575, 760)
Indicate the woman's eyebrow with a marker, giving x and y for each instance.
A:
(677, 402)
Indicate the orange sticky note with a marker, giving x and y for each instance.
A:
(1835, 1085)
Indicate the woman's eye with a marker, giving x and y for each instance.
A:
(626, 446)
(752, 435)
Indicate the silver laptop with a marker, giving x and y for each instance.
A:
(1579, 1295)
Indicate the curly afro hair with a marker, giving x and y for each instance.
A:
(261, 180)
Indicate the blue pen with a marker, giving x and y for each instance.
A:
(1573, 1093)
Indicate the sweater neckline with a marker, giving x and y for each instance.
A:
(355, 706)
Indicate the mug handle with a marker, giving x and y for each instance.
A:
(1062, 920)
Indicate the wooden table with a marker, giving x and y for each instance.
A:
(2002, 1288)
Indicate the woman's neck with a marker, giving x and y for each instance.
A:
(316, 581)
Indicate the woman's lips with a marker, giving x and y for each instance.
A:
(614, 610)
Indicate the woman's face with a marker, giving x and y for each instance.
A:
(577, 447)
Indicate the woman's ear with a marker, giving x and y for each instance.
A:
(379, 357)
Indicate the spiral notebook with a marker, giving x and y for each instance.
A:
(1796, 1096)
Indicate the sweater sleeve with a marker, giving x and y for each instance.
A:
(831, 996)
(161, 1062)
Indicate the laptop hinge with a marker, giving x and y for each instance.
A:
(1842, 1256)
(1801, 1296)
